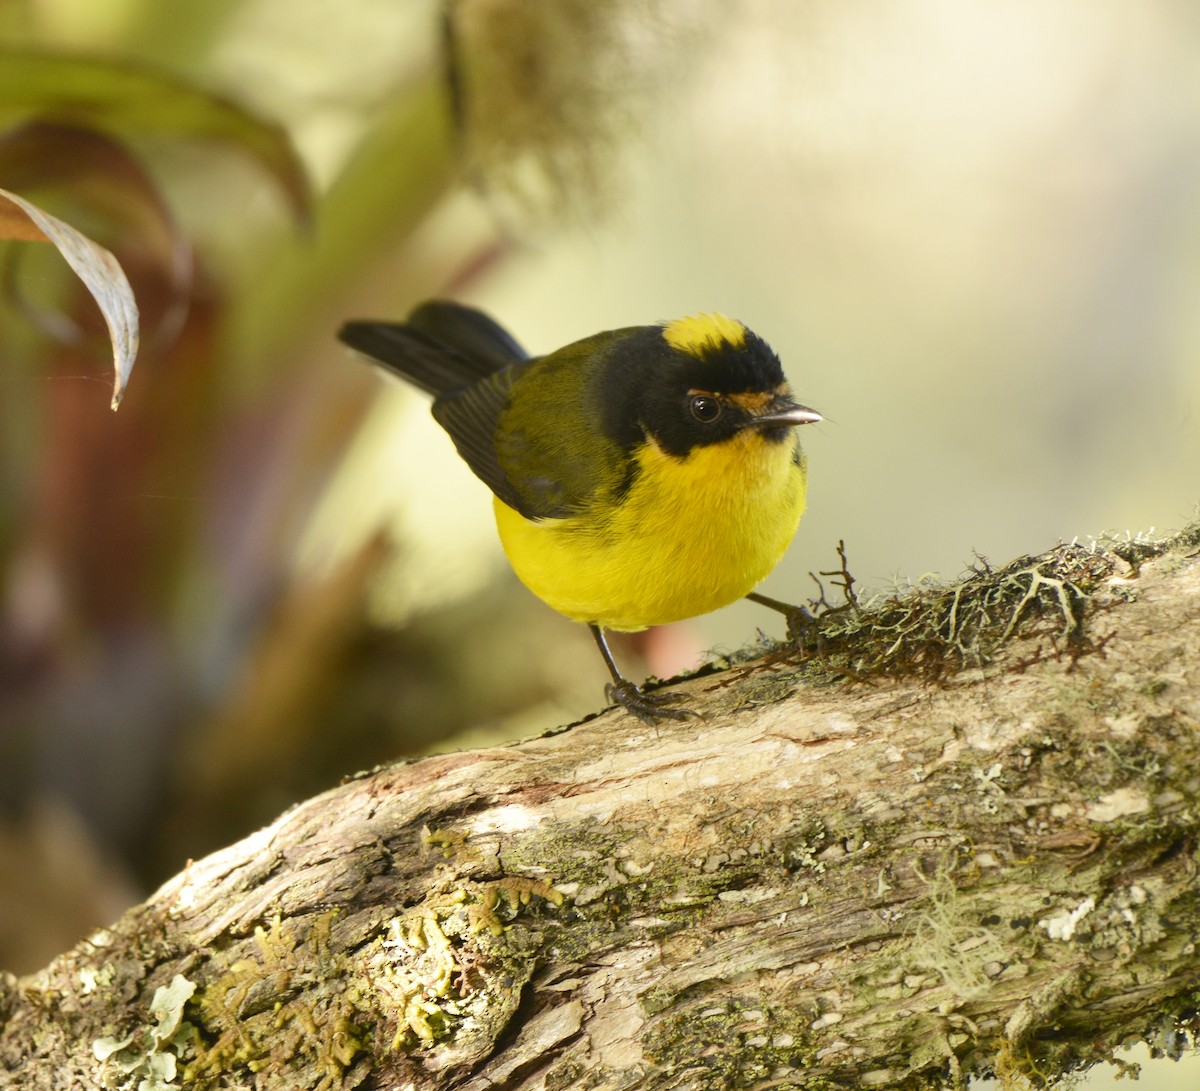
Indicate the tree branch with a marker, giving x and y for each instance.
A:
(903, 870)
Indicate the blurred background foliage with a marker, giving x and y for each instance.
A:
(970, 229)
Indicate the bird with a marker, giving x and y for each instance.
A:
(640, 476)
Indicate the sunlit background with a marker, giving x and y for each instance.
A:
(970, 229)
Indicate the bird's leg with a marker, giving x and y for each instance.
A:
(800, 621)
(647, 707)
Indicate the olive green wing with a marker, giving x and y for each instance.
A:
(532, 432)
(472, 417)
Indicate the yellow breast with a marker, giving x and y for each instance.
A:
(689, 536)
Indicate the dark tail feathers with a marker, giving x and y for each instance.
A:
(443, 347)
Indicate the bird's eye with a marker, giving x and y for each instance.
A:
(705, 408)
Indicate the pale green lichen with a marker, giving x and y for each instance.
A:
(951, 942)
(414, 972)
(147, 1058)
(431, 968)
(95, 978)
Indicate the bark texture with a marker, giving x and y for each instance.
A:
(870, 880)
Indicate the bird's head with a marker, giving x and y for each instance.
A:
(701, 380)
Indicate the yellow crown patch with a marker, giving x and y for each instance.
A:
(698, 333)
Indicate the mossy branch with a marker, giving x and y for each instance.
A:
(956, 835)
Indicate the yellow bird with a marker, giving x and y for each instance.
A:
(641, 476)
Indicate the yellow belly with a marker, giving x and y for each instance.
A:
(690, 536)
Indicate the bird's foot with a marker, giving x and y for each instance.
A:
(802, 624)
(647, 707)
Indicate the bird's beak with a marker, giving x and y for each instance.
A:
(782, 412)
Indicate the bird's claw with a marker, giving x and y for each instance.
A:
(647, 707)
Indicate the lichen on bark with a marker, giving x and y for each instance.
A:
(895, 865)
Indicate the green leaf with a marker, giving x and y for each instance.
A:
(124, 96)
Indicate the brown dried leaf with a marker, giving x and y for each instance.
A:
(100, 272)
